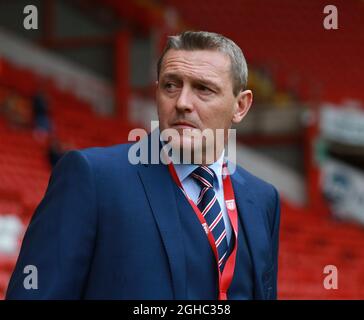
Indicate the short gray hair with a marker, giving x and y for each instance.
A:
(202, 40)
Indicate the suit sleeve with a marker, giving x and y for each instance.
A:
(275, 242)
(60, 238)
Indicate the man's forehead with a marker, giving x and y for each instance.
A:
(199, 77)
(197, 60)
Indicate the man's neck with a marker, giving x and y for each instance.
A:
(207, 162)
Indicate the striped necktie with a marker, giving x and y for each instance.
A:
(209, 206)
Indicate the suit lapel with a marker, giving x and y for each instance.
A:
(254, 227)
(158, 186)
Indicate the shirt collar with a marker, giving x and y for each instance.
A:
(184, 170)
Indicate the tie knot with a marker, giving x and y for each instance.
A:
(204, 176)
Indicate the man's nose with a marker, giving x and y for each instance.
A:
(185, 100)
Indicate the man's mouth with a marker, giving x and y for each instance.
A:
(183, 125)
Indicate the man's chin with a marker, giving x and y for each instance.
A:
(187, 148)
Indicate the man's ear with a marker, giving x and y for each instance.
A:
(156, 88)
(156, 85)
(242, 105)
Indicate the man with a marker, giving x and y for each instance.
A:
(107, 229)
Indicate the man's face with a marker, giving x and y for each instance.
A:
(195, 91)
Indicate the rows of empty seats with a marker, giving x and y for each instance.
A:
(309, 242)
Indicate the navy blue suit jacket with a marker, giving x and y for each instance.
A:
(107, 229)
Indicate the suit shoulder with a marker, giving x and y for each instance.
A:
(98, 157)
(265, 194)
(104, 153)
(262, 190)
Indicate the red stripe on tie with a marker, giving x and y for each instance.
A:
(201, 195)
(218, 241)
(209, 206)
(222, 259)
(216, 221)
(208, 170)
(203, 180)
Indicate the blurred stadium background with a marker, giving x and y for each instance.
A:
(86, 77)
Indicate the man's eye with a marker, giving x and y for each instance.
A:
(169, 86)
(204, 90)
